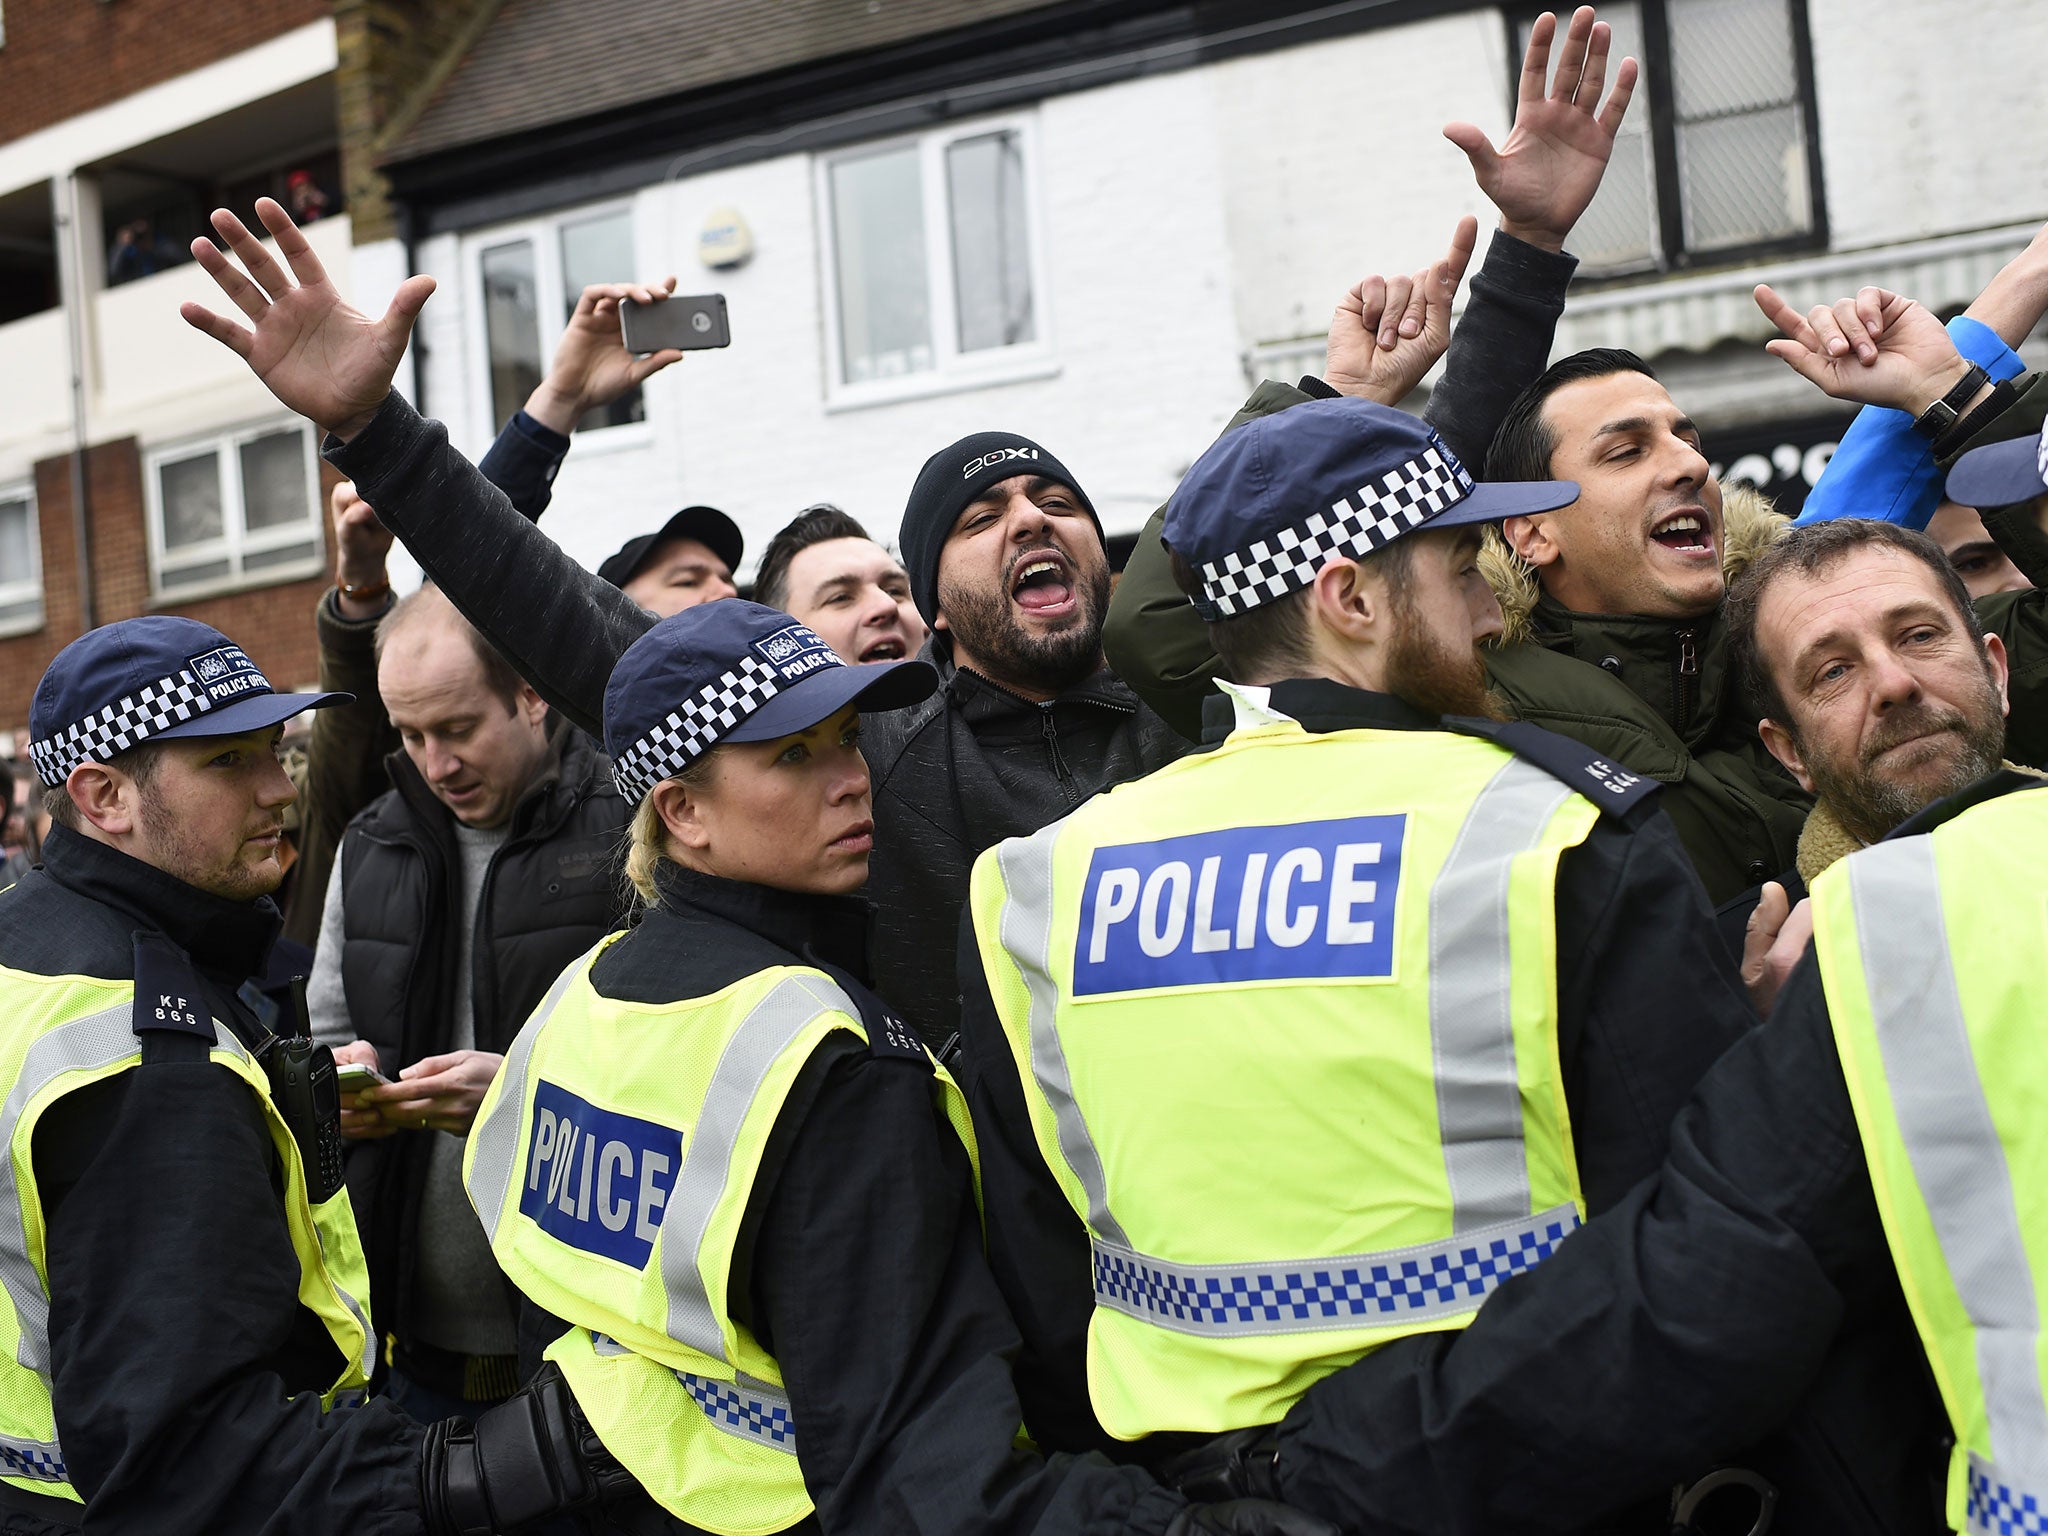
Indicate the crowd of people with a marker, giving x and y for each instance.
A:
(1486, 982)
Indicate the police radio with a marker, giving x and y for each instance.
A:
(303, 1086)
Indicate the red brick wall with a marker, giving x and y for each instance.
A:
(273, 624)
(63, 57)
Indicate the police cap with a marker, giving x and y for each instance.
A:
(1271, 503)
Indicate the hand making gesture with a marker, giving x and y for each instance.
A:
(1878, 348)
(320, 357)
(1389, 332)
(1546, 172)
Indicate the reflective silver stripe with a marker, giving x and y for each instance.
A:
(497, 1158)
(1998, 1507)
(1471, 1004)
(1026, 934)
(1951, 1140)
(1362, 1290)
(769, 1029)
(32, 1458)
(355, 1310)
(751, 1410)
(87, 1044)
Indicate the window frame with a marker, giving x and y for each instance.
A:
(21, 591)
(550, 300)
(236, 540)
(952, 370)
(1657, 95)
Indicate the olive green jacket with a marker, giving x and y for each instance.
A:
(1652, 694)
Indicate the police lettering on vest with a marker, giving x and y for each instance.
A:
(1313, 899)
(596, 1180)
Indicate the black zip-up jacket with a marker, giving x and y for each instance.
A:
(1647, 1001)
(185, 1373)
(956, 775)
(859, 1265)
(1751, 1269)
(552, 890)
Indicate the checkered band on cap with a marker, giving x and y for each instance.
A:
(688, 733)
(157, 707)
(1370, 518)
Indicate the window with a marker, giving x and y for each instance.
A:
(531, 279)
(21, 566)
(1717, 156)
(936, 275)
(235, 511)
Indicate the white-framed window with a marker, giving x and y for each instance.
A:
(21, 561)
(528, 278)
(239, 510)
(935, 262)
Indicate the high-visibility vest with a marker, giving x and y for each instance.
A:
(1286, 1019)
(59, 1034)
(611, 1165)
(1933, 952)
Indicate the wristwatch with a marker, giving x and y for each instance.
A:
(1939, 417)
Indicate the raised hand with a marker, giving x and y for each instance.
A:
(592, 367)
(320, 357)
(1876, 349)
(362, 549)
(1547, 170)
(1388, 333)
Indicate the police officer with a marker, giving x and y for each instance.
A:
(1879, 1148)
(182, 1292)
(737, 1175)
(1297, 1049)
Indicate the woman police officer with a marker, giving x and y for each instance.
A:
(739, 1178)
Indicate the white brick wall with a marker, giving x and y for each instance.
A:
(1932, 116)
(1139, 307)
(1336, 165)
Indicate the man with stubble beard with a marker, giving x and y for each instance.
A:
(1007, 565)
(1874, 683)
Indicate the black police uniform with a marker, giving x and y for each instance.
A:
(1748, 1286)
(1647, 1001)
(186, 1376)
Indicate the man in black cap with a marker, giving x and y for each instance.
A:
(687, 560)
(179, 1267)
(1007, 565)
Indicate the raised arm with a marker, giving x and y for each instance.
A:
(560, 626)
(1542, 179)
(590, 370)
(1386, 334)
(1890, 356)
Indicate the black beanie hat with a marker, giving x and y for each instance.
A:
(953, 477)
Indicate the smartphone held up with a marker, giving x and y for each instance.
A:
(684, 323)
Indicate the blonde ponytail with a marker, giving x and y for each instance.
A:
(646, 842)
(647, 837)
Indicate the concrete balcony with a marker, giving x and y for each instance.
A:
(157, 378)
